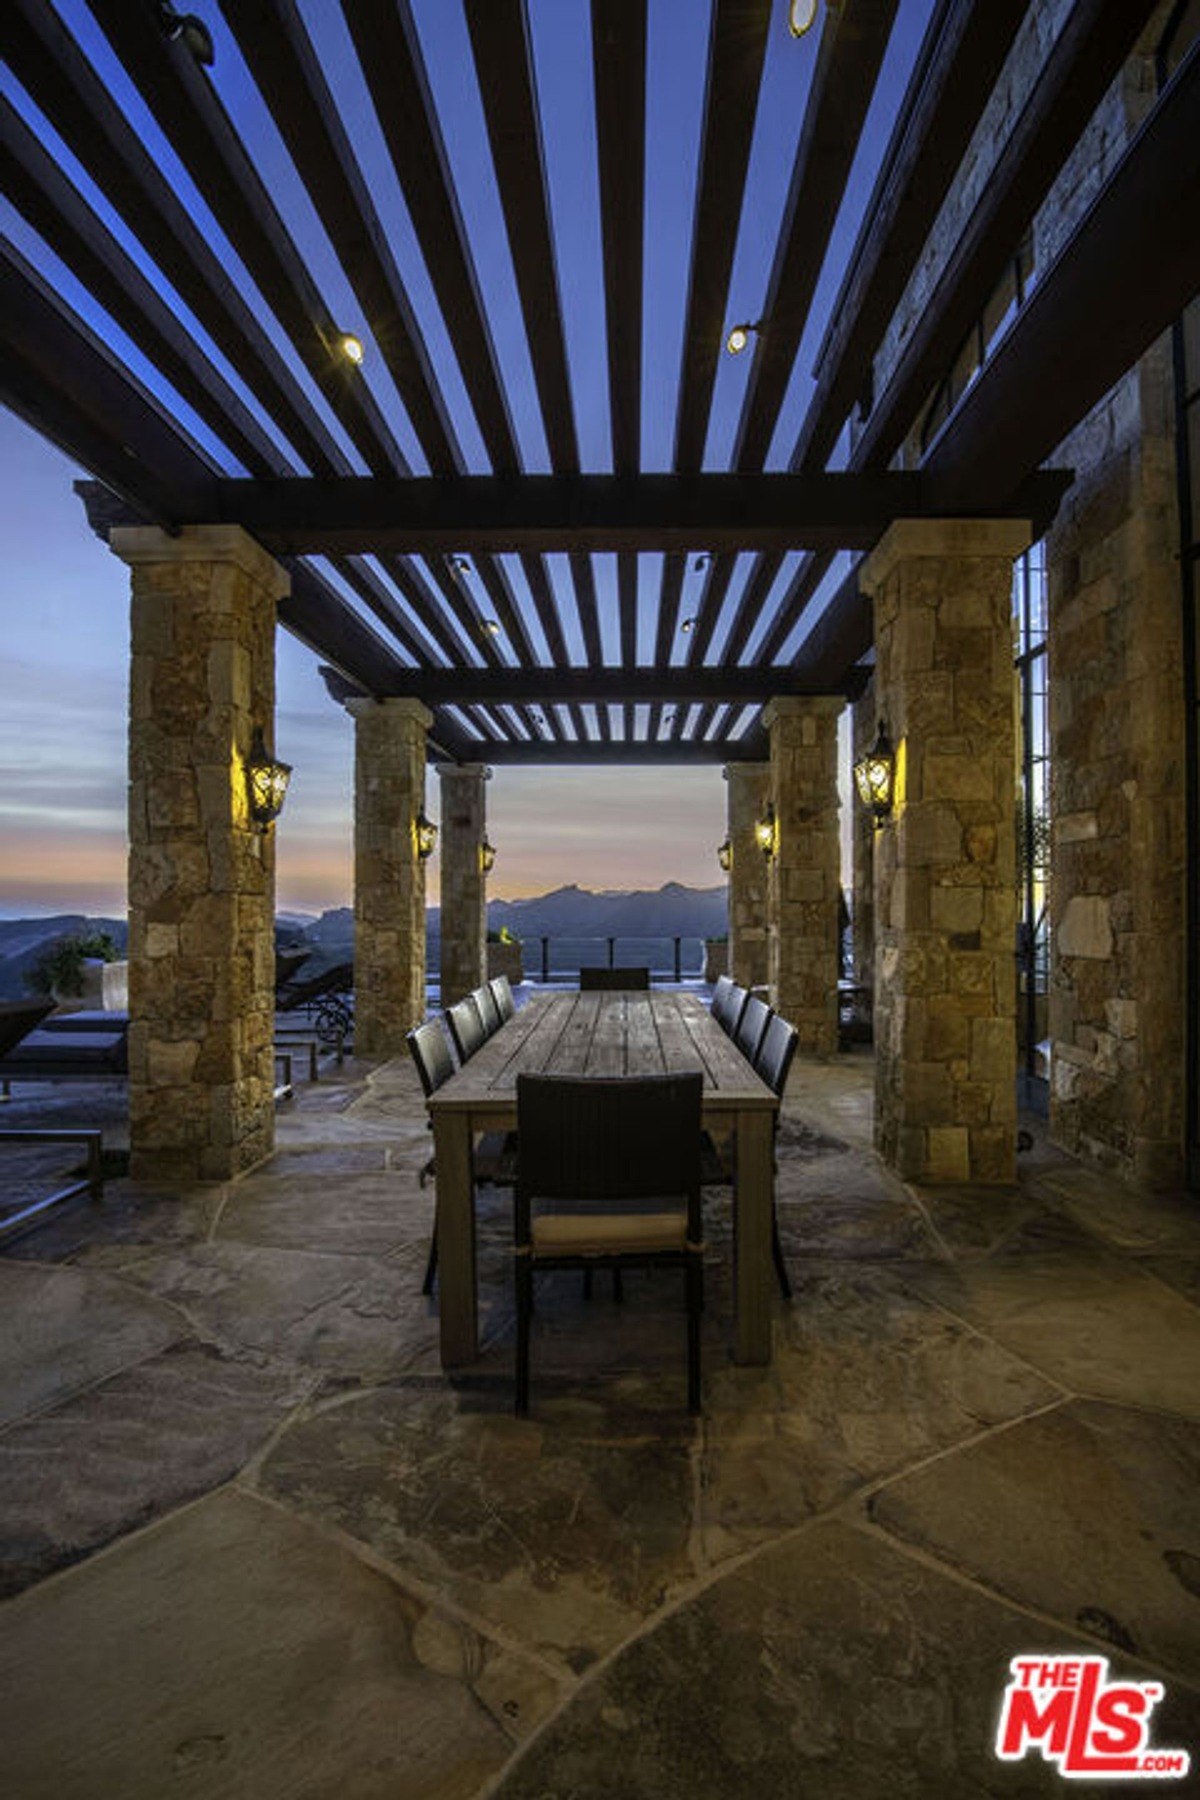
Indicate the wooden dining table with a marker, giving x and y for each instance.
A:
(605, 1034)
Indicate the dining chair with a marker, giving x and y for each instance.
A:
(773, 1064)
(752, 1027)
(611, 981)
(722, 995)
(466, 1028)
(734, 1007)
(489, 1012)
(608, 1176)
(493, 1155)
(502, 994)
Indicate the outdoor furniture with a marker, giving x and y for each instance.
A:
(608, 1176)
(722, 1000)
(489, 1012)
(502, 993)
(734, 1007)
(611, 981)
(18, 1018)
(605, 1035)
(92, 1183)
(752, 1027)
(493, 1157)
(773, 1064)
(466, 1028)
(329, 995)
(80, 1046)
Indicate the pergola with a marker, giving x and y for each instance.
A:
(416, 501)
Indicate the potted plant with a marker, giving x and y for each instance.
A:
(504, 955)
(71, 969)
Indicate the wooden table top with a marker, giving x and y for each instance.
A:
(605, 1035)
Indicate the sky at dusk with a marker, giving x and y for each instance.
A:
(64, 658)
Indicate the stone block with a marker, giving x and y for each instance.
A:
(1085, 929)
(948, 1156)
(992, 1155)
(955, 909)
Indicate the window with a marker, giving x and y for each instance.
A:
(1033, 816)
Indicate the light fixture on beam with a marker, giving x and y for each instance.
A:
(801, 14)
(350, 347)
(739, 335)
(491, 627)
(487, 856)
(266, 783)
(725, 855)
(192, 32)
(426, 834)
(688, 625)
(875, 776)
(766, 832)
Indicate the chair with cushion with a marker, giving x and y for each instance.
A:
(752, 1027)
(502, 994)
(612, 981)
(466, 1028)
(489, 1012)
(608, 1176)
(493, 1155)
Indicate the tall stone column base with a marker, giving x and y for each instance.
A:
(389, 875)
(749, 789)
(464, 884)
(804, 879)
(945, 891)
(201, 875)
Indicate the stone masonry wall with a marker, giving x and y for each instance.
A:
(945, 900)
(749, 787)
(804, 882)
(1118, 805)
(201, 877)
(865, 723)
(389, 876)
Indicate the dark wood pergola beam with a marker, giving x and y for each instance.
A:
(343, 515)
(549, 687)
(753, 747)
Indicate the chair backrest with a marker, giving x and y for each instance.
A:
(624, 1139)
(735, 1006)
(722, 994)
(502, 994)
(752, 1027)
(431, 1053)
(466, 1028)
(775, 1054)
(489, 1012)
(610, 981)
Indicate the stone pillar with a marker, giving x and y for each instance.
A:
(865, 724)
(464, 884)
(201, 876)
(804, 877)
(389, 876)
(945, 895)
(749, 790)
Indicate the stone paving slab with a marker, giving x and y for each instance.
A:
(972, 1221)
(564, 1530)
(357, 1214)
(843, 1205)
(1090, 1512)
(868, 1378)
(64, 1329)
(232, 1651)
(132, 1213)
(828, 1668)
(1123, 1217)
(129, 1450)
(1098, 1323)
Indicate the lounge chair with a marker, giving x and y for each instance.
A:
(78, 1046)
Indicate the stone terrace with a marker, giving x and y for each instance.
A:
(256, 1543)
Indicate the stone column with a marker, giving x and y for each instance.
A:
(865, 722)
(804, 877)
(201, 876)
(389, 876)
(464, 884)
(945, 896)
(749, 790)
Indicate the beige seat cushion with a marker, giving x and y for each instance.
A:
(608, 1234)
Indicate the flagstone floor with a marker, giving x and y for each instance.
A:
(255, 1543)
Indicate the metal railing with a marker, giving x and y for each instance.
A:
(550, 959)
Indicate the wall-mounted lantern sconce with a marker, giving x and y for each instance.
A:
(766, 832)
(487, 856)
(725, 855)
(266, 783)
(426, 834)
(875, 776)
(739, 335)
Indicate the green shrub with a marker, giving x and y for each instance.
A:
(59, 968)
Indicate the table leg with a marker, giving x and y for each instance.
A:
(752, 1228)
(456, 1238)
